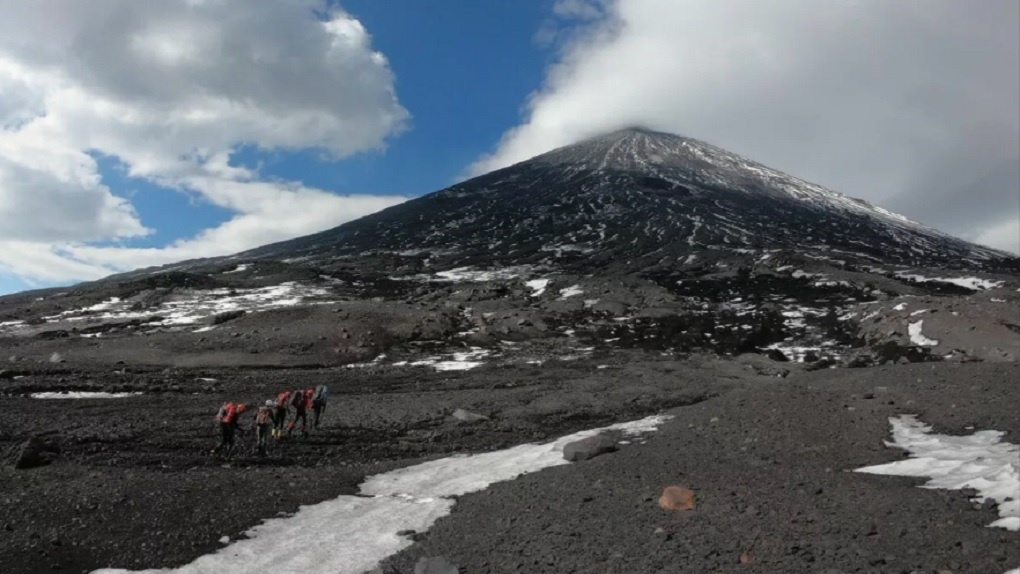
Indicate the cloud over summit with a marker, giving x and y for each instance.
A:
(879, 100)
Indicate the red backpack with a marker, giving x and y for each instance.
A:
(227, 413)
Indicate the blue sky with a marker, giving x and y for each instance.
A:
(141, 133)
(463, 71)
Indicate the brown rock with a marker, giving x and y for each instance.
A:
(677, 497)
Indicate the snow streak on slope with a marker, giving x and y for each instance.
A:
(352, 534)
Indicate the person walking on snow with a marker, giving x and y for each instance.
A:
(300, 400)
(263, 426)
(319, 400)
(229, 418)
(282, 401)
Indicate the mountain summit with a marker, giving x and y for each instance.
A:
(629, 195)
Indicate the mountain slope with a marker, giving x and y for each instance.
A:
(629, 194)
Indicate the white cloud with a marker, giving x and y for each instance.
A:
(873, 98)
(1005, 236)
(170, 89)
(279, 216)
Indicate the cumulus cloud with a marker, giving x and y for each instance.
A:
(914, 105)
(171, 89)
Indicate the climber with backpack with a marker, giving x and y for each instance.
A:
(319, 400)
(264, 421)
(282, 401)
(300, 400)
(229, 417)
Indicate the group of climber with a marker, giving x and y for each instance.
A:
(271, 418)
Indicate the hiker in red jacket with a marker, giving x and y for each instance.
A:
(282, 400)
(301, 401)
(229, 417)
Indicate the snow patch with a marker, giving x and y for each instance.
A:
(461, 361)
(979, 461)
(478, 275)
(538, 286)
(914, 329)
(572, 291)
(973, 283)
(81, 395)
(191, 307)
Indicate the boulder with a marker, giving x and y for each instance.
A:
(436, 565)
(861, 361)
(777, 355)
(823, 363)
(677, 497)
(36, 452)
(589, 447)
(468, 416)
(57, 358)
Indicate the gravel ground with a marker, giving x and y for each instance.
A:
(767, 457)
(135, 485)
(769, 463)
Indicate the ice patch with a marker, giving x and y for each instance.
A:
(81, 395)
(239, 269)
(900, 307)
(919, 312)
(914, 329)
(352, 534)
(979, 461)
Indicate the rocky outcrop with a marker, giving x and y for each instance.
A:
(36, 452)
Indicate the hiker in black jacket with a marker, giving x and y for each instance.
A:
(319, 399)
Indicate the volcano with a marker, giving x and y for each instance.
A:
(632, 195)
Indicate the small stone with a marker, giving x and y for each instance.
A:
(677, 497)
